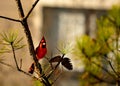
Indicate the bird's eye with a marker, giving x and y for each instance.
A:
(44, 43)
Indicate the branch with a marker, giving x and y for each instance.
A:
(30, 43)
(11, 19)
(33, 6)
(28, 35)
(26, 73)
(101, 79)
(59, 61)
(20, 8)
(104, 69)
(114, 54)
(56, 78)
(14, 56)
(113, 69)
(19, 69)
(55, 66)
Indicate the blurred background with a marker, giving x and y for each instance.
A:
(60, 21)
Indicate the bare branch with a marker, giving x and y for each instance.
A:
(11, 19)
(33, 6)
(3, 63)
(57, 78)
(31, 46)
(28, 35)
(20, 8)
(20, 63)
(19, 69)
(26, 73)
(14, 56)
(24, 23)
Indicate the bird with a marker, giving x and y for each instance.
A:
(40, 51)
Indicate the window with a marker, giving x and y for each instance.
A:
(65, 24)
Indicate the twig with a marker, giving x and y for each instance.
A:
(33, 6)
(59, 61)
(14, 56)
(109, 62)
(103, 69)
(20, 63)
(6, 64)
(20, 8)
(114, 54)
(11, 19)
(19, 69)
(26, 73)
(55, 67)
(101, 79)
(56, 78)
(113, 69)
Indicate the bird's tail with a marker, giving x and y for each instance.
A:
(32, 68)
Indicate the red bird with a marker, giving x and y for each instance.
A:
(41, 51)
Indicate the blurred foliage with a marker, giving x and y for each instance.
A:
(37, 83)
(65, 48)
(114, 14)
(88, 46)
(101, 56)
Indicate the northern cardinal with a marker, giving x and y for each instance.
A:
(41, 51)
